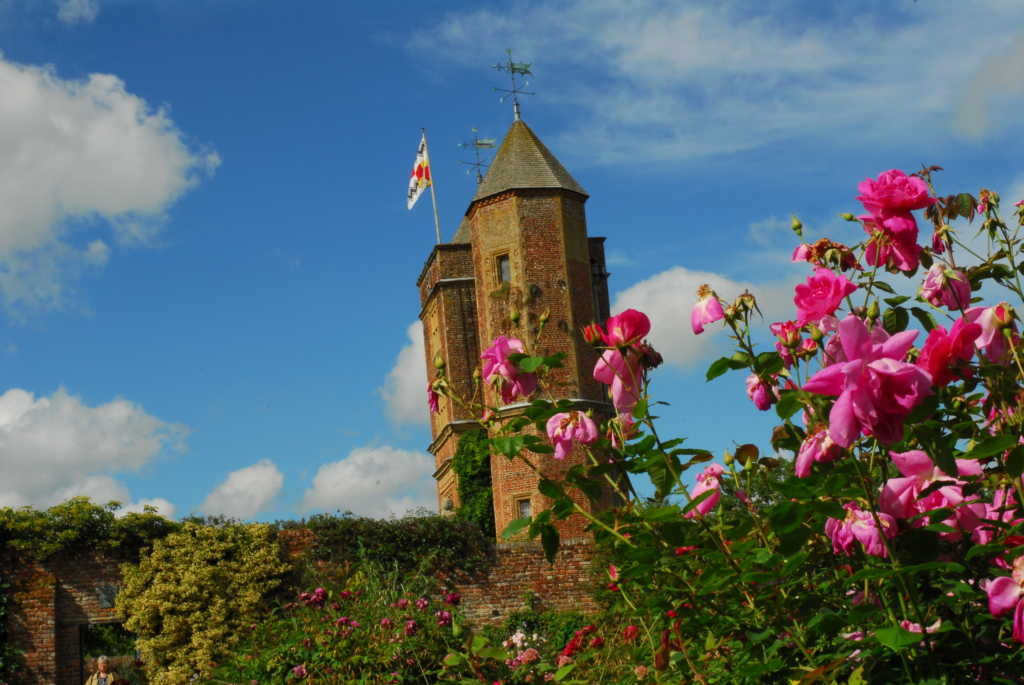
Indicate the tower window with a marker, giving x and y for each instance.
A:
(503, 267)
(524, 508)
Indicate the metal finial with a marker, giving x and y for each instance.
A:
(477, 144)
(514, 69)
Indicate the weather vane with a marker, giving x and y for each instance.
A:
(477, 144)
(515, 69)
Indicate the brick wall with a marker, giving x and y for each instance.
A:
(50, 603)
(521, 578)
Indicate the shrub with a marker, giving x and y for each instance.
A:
(427, 544)
(361, 622)
(883, 540)
(189, 598)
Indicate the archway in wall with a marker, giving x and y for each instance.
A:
(109, 638)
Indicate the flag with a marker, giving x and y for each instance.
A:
(420, 178)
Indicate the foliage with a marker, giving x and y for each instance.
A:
(472, 466)
(361, 623)
(891, 549)
(109, 639)
(8, 655)
(424, 543)
(78, 524)
(189, 598)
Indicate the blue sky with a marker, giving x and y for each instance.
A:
(207, 271)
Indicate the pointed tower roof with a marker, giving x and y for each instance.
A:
(523, 161)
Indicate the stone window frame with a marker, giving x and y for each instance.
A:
(517, 505)
(496, 259)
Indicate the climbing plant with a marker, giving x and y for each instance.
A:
(472, 466)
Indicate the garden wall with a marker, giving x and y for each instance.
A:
(521, 578)
(50, 602)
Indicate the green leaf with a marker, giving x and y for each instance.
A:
(550, 488)
(692, 504)
(516, 526)
(924, 317)
(883, 286)
(768, 363)
(454, 659)
(789, 403)
(963, 204)
(895, 320)
(718, 367)
(1015, 461)
(509, 445)
(562, 672)
(554, 361)
(549, 540)
(895, 300)
(992, 446)
(530, 364)
(785, 517)
(897, 638)
(496, 653)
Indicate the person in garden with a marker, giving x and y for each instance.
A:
(103, 674)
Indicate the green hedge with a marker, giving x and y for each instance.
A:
(428, 544)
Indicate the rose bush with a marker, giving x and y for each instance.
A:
(883, 540)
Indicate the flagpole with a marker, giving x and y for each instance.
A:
(433, 195)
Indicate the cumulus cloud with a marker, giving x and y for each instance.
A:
(245, 492)
(58, 447)
(79, 156)
(374, 481)
(404, 390)
(668, 297)
(78, 11)
(657, 80)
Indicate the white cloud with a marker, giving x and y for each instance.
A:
(162, 506)
(405, 389)
(767, 231)
(56, 447)
(656, 80)
(246, 491)
(76, 155)
(668, 297)
(78, 11)
(374, 481)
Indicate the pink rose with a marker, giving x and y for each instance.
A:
(945, 287)
(760, 393)
(621, 371)
(992, 321)
(875, 388)
(892, 241)
(432, 399)
(707, 480)
(506, 376)
(1005, 594)
(816, 447)
(894, 193)
(707, 310)
(859, 526)
(820, 295)
(947, 356)
(626, 328)
(567, 428)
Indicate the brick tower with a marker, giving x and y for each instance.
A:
(521, 250)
